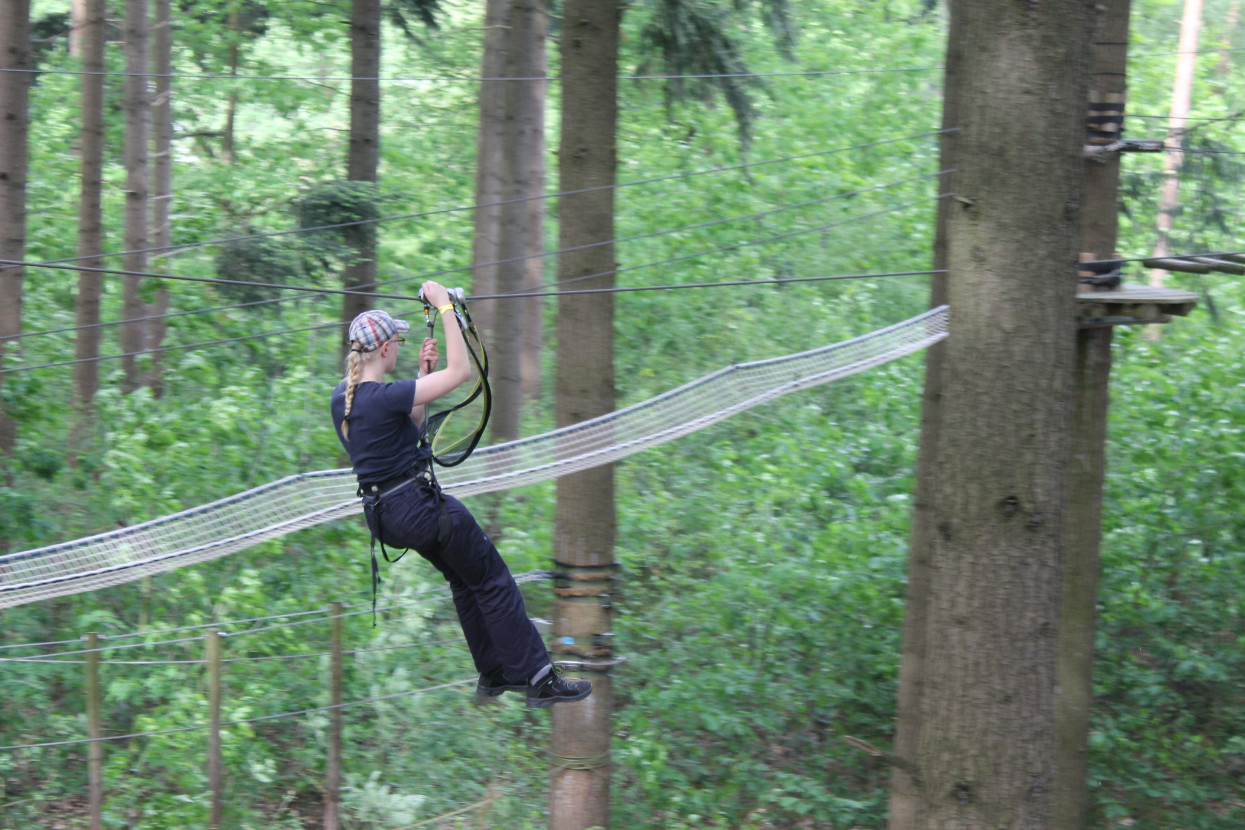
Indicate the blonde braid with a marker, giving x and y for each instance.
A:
(354, 366)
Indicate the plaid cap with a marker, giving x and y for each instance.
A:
(372, 328)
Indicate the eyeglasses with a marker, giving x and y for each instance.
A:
(398, 340)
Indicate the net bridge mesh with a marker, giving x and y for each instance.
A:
(300, 501)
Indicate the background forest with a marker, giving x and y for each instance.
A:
(763, 559)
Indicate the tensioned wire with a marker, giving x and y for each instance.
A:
(244, 721)
(175, 249)
(362, 289)
(404, 297)
(811, 73)
(517, 294)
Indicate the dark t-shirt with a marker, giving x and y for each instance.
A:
(384, 441)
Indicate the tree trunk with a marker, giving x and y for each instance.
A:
(584, 531)
(490, 175)
(162, 204)
(137, 133)
(985, 754)
(1177, 124)
(364, 153)
(15, 112)
(521, 161)
(78, 18)
(533, 308)
(234, 26)
(907, 724)
(90, 222)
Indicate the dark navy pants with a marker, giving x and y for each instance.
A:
(490, 608)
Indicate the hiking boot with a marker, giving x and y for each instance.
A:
(554, 688)
(495, 682)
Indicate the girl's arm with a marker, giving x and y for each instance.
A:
(457, 368)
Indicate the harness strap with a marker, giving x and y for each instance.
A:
(372, 501)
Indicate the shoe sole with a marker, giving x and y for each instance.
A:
(546, 702)
(499, 690)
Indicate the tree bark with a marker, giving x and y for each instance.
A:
(523, 173)
(162, 204)
(490, 176)
(985, 753)
(904, 784)
(585, 522)
(1177, 124)
(137, 133)
(90, 221)
(364, 153)
(533, 308)
(14, 141)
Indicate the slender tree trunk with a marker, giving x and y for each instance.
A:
(14, 138)
(78, 14)
(162, 204)
(364, 153)
(234, 26)
(521, 161)
(533, 308)
(90, 222)
(1177, 124)
(903, 801)
(585, 522)
(985, 753)
(490, 175)
(137, 133)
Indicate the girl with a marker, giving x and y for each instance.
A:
(380, 425)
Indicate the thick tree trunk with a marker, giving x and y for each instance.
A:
(162, 203)
(490, 169)
(364, 154)
(90, 221)
(985, 754)
(137, 133)
(585, 521)
(903, 794)
(523, 170)
(15, 113)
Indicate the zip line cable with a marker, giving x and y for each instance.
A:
(810, 73)
(442, 272)
(206, 343)
(175, 249)
(321, 326)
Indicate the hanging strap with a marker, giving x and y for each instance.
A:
(447, 452)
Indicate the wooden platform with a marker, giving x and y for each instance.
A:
(1131, 305)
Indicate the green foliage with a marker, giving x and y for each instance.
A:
(763, 559)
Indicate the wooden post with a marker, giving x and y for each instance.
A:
(333, 770)
(214, 748)
(1087, 471)
(94, 731)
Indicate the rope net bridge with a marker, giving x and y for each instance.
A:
(307, 499)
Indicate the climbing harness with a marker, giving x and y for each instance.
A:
(451, 455)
